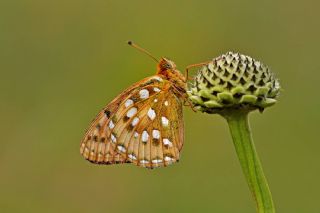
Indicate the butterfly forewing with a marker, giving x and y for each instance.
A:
(143, 126)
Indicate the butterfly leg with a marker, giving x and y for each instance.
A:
(185, 100)
(191, 66)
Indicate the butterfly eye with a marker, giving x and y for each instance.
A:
(166, 64)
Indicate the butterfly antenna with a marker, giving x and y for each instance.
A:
(142, 50)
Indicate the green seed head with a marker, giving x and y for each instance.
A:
(233, 81)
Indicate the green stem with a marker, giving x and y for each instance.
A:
(249, 160)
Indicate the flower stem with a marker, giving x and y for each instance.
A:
(249, 160)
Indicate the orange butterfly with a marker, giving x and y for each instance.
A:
(144, 124)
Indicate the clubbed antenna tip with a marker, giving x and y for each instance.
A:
(142, 50)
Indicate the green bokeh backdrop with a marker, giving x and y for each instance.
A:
(62, 61)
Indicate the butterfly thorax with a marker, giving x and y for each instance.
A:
(167, 69)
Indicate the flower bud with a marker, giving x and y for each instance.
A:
(233, 81)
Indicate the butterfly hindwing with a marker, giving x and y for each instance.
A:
(156, 143)
(143, 126)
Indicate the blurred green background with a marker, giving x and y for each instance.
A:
(62, 61)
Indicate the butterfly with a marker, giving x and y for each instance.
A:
(144, 124)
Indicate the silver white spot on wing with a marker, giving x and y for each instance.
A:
(144, 161)
(166, 103)
(156, 89)
(155, 100)
(151, 114)
(144, 94)
(136, 134)
(121, 148)
(128, 103)
(167, 142)
(131, 112)
(135, 121)
(158, 78)
(132, 156)
(156, 134)
(113, 138)
(165, 121)
(167, 158)
(156, 161)
(111, 124)
(144, 136)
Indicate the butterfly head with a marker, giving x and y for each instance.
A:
(166, 64)
(167, 69)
